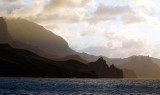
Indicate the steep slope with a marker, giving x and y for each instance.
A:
(33, 34)
(143, 66)
(22, 63)
(6, 38)
(104, 71)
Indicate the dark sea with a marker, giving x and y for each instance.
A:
(50, 86)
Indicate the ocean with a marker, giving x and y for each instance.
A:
(51, 86)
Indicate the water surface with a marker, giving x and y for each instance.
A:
(49, 86)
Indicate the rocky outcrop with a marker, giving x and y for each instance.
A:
(104, 71)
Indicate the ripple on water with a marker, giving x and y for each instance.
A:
(44, 86)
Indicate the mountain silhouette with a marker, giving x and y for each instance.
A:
(23, 63)
(143, 66)
(75, 57)
(24, 35)
(104, 71)
(24, 32)
(6, 38)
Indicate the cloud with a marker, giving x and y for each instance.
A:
(120, 32)
(54, 4)
(106, 13)
(36, 12)
(6, 7)
(28, 11)
(111, 11)
(143, 4)
(121, 43)
(92, 30)
(132, 19)
(67, 12)
(98, 20)
(19, 1)
(118, 49)
(133, 44)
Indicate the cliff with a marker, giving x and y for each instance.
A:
(104, 71)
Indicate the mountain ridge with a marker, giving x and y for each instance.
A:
(23, 63)
(17, 44)
(26, 32)
(143, 66)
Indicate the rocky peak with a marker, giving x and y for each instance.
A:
(101, 60)
(112, 66)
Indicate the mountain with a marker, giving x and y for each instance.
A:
(21, 33)
(110, 61)
(88, 57)
(23, 63)
(156, 61)
(127, 73)
(75, 57)
(104, 71)
(6, 38)
(143, 66)
(26, 35)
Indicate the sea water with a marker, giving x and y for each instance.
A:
(51, 86)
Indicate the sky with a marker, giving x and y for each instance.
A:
(112, 28)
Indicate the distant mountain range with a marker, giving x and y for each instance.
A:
(143, 66)
(22, 34)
